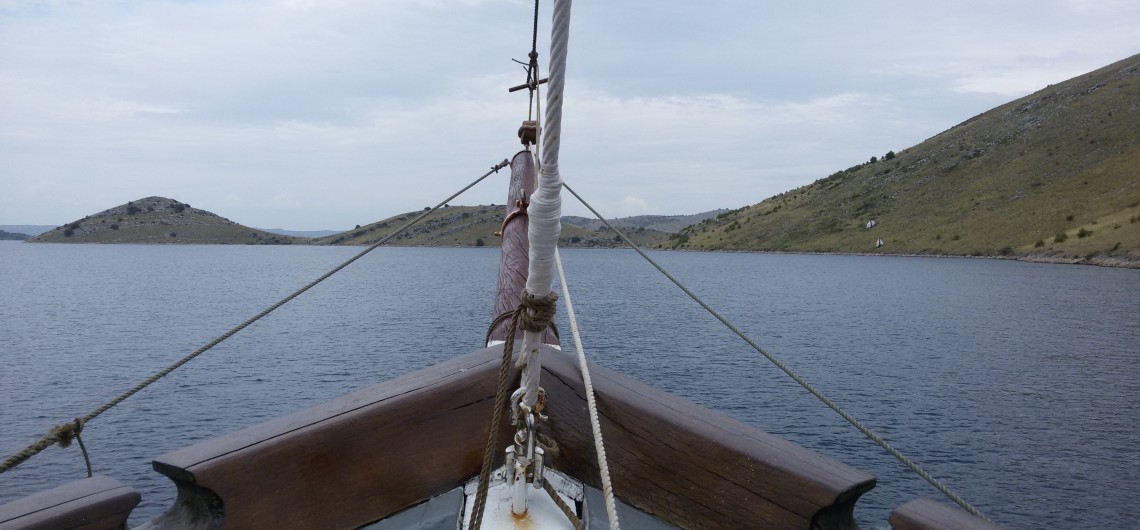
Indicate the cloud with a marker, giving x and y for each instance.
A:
(630, 206)
(312, 115)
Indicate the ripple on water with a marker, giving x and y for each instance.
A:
(1016, 384)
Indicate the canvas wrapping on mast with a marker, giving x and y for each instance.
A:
(545, 210)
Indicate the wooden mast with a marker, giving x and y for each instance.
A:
(513, 261)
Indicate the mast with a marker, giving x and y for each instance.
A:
(514, 258)
(546, 202)
(545, 213)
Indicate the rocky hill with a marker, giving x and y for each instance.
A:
(29, 230)
(475, 226)
(160, 220)
(10, 236)
(662, 223)
(1053, 176)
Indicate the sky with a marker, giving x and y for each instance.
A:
(312, 115)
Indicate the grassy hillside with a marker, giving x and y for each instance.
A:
(160, 220)
(470, 226)
(662, 223)
(1053, 176)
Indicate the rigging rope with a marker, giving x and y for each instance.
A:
(591, 402)
(62, 434)
(532, 67)
(86, 457)
(561, 504)
(545, 211)
(521, 317)
(802, 382)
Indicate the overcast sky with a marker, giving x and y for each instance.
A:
(327, 114)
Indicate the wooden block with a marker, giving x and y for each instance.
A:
(929, 514)
(95, 503)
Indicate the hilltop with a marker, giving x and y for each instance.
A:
(475, 226)
(10, 236)
(29, 230)
(661, 223)
(163, 220)
(160, 220)
(1053, 176)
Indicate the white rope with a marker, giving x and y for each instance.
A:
(545, 210)
(599, 446)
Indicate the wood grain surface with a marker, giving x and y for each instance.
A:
(95, 503)
(372, 453)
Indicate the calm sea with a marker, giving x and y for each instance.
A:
(1017, 384)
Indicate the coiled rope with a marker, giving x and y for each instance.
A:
(63, 433)
(802, 382)
(591, 402)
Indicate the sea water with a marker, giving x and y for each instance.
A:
(1016, 384)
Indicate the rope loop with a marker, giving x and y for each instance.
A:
(520, 318)
(539, 311)
(507, 315)
(64, 433)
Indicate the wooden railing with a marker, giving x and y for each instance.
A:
(369, 454)
(929, 514)
(96, 503)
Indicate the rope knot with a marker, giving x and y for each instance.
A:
(538, 311)
(64, 433)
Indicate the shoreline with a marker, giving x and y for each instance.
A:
(1113, 262)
